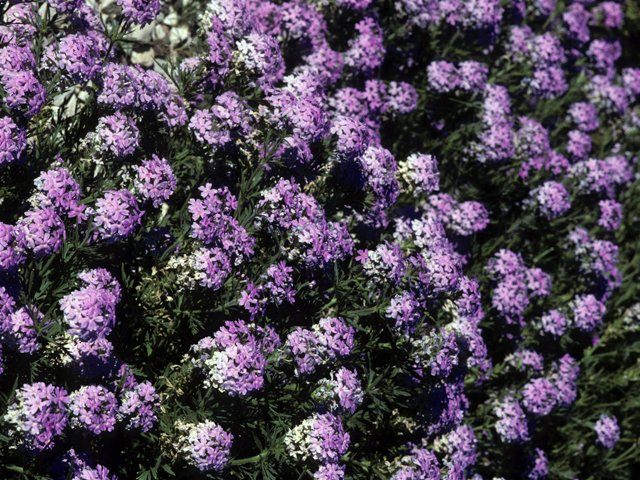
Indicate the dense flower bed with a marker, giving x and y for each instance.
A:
(334, 239)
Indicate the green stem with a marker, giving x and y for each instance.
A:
(244, 461)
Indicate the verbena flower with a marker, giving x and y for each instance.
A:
(321, 438)
(235, 359)
(139, 406)
(342, 392)
(93, 408)
(608, 431)
(155, 180)
(205, 445)
(512, 423)
(116, 216)
(37, 415)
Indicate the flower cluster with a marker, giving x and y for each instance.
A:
(37, 415)
(205, 445)
(235, 359)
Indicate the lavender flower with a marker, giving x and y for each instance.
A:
(205, 445)
(83, 468)
(342, 393)
(610, 214)
(366, 52)
(442, 76)
(155, 180)
(13, 140)
(235, 359)
(11, 255)
(402, 97)
(421, 464)
(90, 311)
(587, 312)
(419, 174)
(93, 408)
(609, 14)
(139, 406)
(57, 189)
(564, 376)
(330, 471)
(608, 431)
(37, 415)
(116, 216)
(320, 437)
(512, 423)
(553, 322)
(584, 115)
(18, 330)
(523, 360)
(540, 467)
(23, 92)
(473, 76)
(539, 396)
(116, 136)
(439, 352)
(139, 12)
(550, 199)
(41, 231)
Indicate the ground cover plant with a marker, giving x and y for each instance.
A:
(327, 239)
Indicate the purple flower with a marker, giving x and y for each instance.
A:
(473, 76)
(550, 199)
(79, 56)
(90, 311)
(602, 93)
(139, 406)
(341, 393)
(610, 214)
(366, 51)
(512, 423)
(420, 174)
(467, 218)
(23, 92)
(206, 445)
(155, 180)
(260, 55)
(442, 76)
(18, 329)
(320, 437)
(139, 12)
(57, 189)
(83, 468)
(609, 14)
(603, 54)
(116, 216)
(41, 231)
(564, 379)
(553, 322)
(459, 446)
(330, 471)
(539, 396)
(385, 263)
(117, 136)
(579, 145)
(540, 467)
(631, 81)
(235, 360)
(37, 415)
(587, 312)
(13, 140)
(402, 98)
(523, 359)
(11, 255)
(93, 408)
(421, 464)
(584, 115)
(577, 20)
(608, 431)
